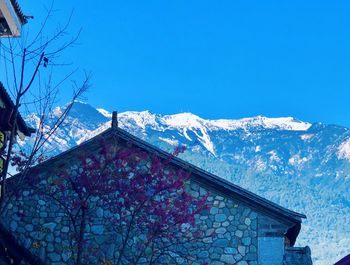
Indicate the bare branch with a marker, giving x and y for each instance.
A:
(33, 76)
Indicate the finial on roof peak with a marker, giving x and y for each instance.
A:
(114, 119)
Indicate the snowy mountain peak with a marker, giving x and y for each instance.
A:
(283, 123)
(190, 120)
(140, 119)
(185, 119)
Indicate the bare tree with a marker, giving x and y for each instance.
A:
(30, 66)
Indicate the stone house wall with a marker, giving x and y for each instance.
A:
(42, 226)
(230, 228)
(233, 231)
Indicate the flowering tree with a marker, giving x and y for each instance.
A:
(144, 204)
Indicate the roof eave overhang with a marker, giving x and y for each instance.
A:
(13, 17)
(8, 103)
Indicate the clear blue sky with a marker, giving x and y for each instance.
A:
(217, 59)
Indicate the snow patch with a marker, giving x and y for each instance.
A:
(260, 165)
(141, 119)
(306, 137)
(170, 141)
(274, 156)
(284, 123)
(105, 113)
(190, 122)
(344, 150)
(186, 135)
(57, 111)
(296, 160)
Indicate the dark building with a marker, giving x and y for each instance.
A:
(6, 115)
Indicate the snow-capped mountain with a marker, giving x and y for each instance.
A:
(302, 166)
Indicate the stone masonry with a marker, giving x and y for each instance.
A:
(229, 227)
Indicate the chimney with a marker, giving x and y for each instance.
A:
(114, 120)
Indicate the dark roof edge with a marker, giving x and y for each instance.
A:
(22, 126)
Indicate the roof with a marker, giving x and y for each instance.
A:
(27, 131)
(18, 10)
(293, 219)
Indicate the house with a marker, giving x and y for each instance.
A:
(6, 114)
(9, 247)
(6, 123)
(11, 18)
(250, 229)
